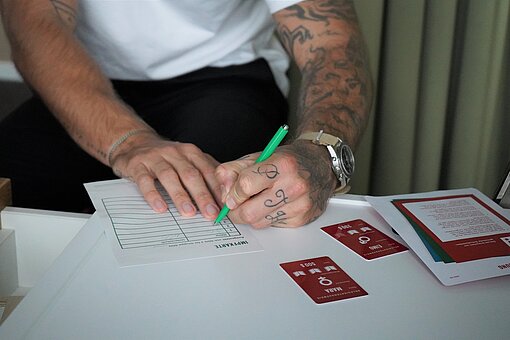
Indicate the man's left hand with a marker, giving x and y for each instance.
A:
(289, 189)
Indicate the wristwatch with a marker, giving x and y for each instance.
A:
(342, 158)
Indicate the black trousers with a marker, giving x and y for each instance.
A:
(227, 112)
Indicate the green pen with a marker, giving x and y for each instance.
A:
(268, 151)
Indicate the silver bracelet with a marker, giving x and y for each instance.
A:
(121, 140)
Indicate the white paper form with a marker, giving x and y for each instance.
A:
(138, 235)
(458, 218)
(448, 273)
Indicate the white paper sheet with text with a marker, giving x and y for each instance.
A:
(138, 235)
(448, 273)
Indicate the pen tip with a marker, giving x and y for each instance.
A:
(285, 127)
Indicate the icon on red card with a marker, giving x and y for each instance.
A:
(323, 280)
(364, 239)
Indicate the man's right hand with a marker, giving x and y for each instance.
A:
(186, 173)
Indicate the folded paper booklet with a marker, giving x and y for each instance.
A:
(461, 235)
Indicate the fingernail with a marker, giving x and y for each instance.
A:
(188, 208)
(159, 205)
(231, 204)
(212, 210)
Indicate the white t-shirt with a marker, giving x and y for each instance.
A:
(161, 39)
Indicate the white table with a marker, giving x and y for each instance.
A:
(85, 295)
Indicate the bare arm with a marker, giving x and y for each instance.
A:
(324, 40)
(55, 64)
(52, 61)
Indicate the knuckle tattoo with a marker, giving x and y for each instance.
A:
(280, 197)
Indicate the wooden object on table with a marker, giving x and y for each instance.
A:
(5, 193)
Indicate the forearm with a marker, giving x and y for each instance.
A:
(324, 40)
(56, 66)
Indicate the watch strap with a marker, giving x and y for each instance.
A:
(342, 190)
(320, 138)
(325, 139)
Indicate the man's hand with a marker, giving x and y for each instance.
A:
(289, 189)
(186, 173)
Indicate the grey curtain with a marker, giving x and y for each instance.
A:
(441, 118)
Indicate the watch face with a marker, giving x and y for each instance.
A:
(347, 160)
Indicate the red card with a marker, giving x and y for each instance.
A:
(364, 239)
(323, 280)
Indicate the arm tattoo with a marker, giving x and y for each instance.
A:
(279, 194)
(65, 12)
(324, 10)
(328, 85)
(290, 38)
(324, 40)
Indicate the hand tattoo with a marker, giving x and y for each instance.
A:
(269, 170)
(280, 217)
(279, 194)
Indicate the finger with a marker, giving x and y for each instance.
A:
(295, 214)
(254, 210)
(194, 182)
(145, 182)
(228, 172)
(246, 186)
(169, 179)
(281, 193)
(260, 176)
(285, 219)
(290, 215)
(206, 164)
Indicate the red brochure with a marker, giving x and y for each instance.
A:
(463, 226)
